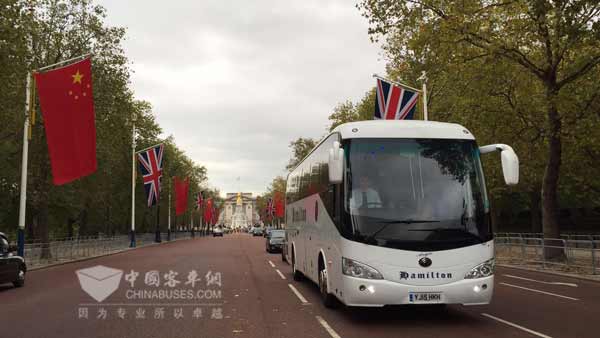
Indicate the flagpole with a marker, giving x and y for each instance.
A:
(157, 238)
(396, 83)
(24, 163)
(192, 221)
(133, 172)
(169, 218)
(63, 62)
(423, 77)
(154, 146)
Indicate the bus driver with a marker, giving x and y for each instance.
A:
(364, 196)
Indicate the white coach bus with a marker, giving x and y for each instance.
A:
(394, 212)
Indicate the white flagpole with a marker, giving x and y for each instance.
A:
(425, 116)
(23, 197)
(133, 172)
(423, 77)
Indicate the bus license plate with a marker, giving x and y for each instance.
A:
(424, 297)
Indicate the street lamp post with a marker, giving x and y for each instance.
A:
(133, 173)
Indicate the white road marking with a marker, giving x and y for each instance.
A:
(543, 282)
(280, 274)
(539, 291)
(298, 294)
(272, 265)
(328, 328)
(516, 326)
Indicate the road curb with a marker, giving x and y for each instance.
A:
(103, 255)
(550, 272)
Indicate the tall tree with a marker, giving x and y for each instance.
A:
(556, 42)
(300, 148)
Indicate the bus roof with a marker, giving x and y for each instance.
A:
(403, 129)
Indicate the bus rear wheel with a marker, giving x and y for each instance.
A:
(327, 298)
(297, 274)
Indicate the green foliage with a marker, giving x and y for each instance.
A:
(300, 148)
(41, 32)
(515, 72)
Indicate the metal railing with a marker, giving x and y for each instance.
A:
(64, 250)
(580, 256)
(588, 237)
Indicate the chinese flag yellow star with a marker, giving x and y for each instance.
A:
(77, 77)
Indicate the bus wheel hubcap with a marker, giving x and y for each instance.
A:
(323, 281)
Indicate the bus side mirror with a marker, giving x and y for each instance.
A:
(336, 164)
(510, 161)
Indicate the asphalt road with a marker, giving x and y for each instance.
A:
(257, 297)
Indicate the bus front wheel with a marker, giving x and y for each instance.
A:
(328, 299)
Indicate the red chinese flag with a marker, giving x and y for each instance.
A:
(279, 206)
(208, 210)
(181, 195)
(67, 106)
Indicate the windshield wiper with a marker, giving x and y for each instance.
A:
(372, 236)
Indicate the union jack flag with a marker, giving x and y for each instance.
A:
(394, 102)
(199, 200)
(270, 208)
(151, 164)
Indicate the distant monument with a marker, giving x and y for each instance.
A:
(239, 210)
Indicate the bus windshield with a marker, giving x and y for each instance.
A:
(416, 194)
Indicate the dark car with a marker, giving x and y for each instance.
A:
(275, 240)
(12, 267)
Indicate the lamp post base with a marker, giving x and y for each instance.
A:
(21, 242)
(132, 238)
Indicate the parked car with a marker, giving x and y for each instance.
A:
(217, 231)
(275, 240)
(12, 267)
(257, 231)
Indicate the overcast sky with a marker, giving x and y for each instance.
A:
(235, 81)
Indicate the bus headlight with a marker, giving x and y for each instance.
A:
(359, 270)
(484, 269)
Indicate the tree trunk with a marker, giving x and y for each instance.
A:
(551, 176)
(535, 198)
(70, 223)
(44, 232)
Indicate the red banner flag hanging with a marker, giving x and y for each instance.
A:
(181, 195)
(208, 210)
(67, 106)
(279, 205)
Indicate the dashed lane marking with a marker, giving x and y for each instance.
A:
(543, 282)
(272, 265)
(280, 274)
(535, 333)
(298, 294)
(328, 328)
(539, 291)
